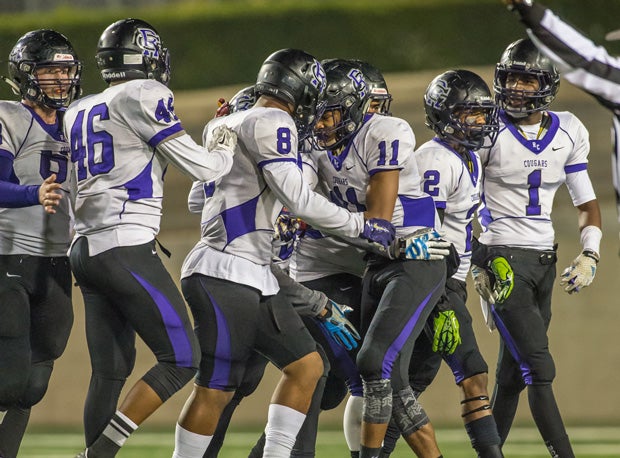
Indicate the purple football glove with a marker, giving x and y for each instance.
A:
(379, 231)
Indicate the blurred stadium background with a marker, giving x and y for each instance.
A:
(412, 41)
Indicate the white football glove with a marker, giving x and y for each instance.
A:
(482, 283)
(423, 244)
(580, 273)
(224, 138)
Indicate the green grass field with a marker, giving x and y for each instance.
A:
(588, 442)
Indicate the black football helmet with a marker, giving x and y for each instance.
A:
(376, 86)
(452, 95)
(295, 77)
(132, 49)
(347, 92)
(242, 100)
(44, 49)
(523, 57)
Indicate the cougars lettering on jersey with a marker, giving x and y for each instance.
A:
(455, 188)
(521, 177)
(36, 150)
(240, 209)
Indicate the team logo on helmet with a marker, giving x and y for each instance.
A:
(149, 41)
(438, 95)
(320, 80)
(358, 81)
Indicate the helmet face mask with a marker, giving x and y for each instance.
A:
(297, 79)
(346, 99)
(132, 49)
(44, 69)
(460, 109)
(526, 81)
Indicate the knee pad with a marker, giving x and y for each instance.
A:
(377, 401)
(166, 378)
(334, 393)
(38, 382)
(407, 412)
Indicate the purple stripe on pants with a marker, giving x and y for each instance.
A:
(173, 323)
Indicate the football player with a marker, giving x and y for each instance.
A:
(35, 225)
(536, 151)
(122, 140)
(227, 278)
(461, 111)
(582, 62)
(364, 161)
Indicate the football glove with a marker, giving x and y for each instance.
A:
(288, 228)
(338, 327)
(423, 244)
(446, 335)
(495, 282)
(224, 138)
(223, 108)
(580, 273)
(379, 231)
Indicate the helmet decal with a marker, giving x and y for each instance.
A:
(149, 41)
(319, 81)
(438, 95)
(357, 78)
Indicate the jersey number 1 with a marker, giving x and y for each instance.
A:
(534, 180)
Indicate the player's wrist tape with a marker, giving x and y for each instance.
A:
(590, 239)
(591, 254)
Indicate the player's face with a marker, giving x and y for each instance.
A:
(327, 126)
(521, 84)
(55, 80)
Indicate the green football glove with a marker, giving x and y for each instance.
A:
(504, 278)
(495, 282)
(446, 336)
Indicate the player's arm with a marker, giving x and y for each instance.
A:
(381, 194)
(200, 163)
(14, 195)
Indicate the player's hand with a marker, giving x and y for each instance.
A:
(503, 278)
(379, 231)
(446, 335)
(580, 273)
(288, 228)
(223, 108)
(224, 138)
(47, 197)
(335, 322)
(495, 282)
(423, 244)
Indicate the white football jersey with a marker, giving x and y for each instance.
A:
(121, 142)
(36, 150)
(455, 187)
(240, 209)
(521, 177)
(382, 143)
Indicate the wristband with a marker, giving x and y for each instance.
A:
(591, 238)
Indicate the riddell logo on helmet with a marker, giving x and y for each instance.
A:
(116, 75)
(62, 57)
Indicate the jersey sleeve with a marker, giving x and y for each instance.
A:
(439, 179)
(275, 135)
(578, 159)
(389, 144)
(150, 112)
